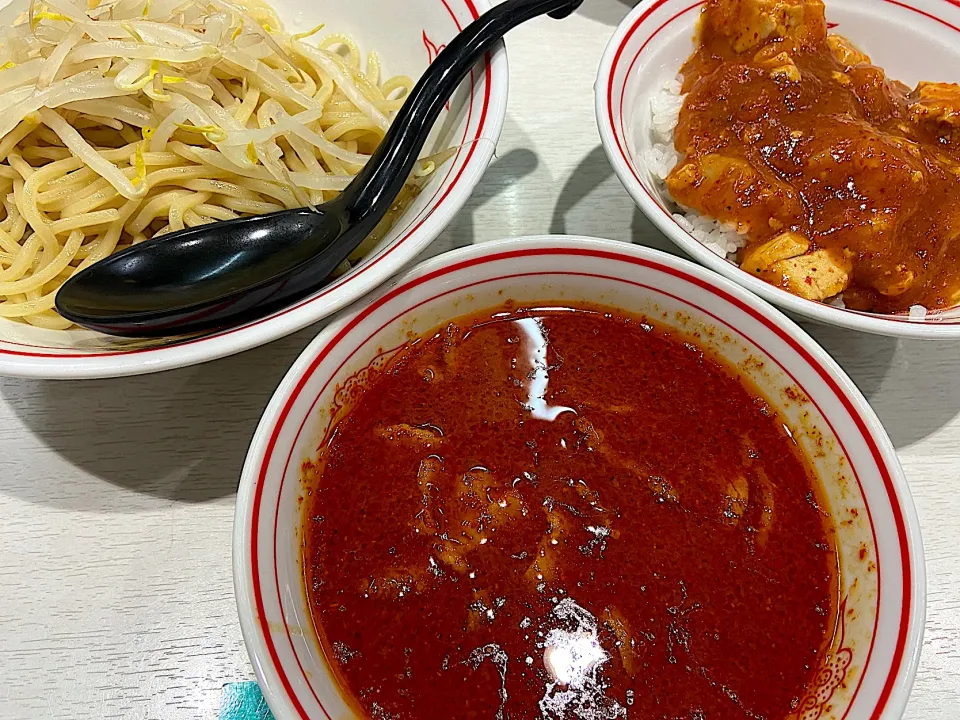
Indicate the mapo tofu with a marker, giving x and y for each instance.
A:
(845, 183)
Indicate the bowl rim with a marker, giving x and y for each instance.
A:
(898, 497)
(64, 364)
(617, 154)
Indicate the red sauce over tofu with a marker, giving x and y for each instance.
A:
(846, 183)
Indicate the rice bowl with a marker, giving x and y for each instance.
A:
(638, 98)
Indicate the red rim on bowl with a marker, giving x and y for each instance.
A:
(449, 274)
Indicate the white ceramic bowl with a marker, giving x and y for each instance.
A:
(407, 36)
(910, 39)
(870, 668)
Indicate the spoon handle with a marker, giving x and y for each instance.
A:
(369, 195)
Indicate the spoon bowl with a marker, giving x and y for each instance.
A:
(231, 269)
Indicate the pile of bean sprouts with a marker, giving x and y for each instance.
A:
(123, 120)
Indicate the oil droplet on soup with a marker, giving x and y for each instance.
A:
(566, 512)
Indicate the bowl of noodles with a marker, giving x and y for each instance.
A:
(124, 120)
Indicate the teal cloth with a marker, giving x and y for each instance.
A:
(243, 701)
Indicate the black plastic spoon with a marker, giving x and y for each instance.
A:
(228, 273)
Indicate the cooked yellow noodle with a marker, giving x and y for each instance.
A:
(123, 121)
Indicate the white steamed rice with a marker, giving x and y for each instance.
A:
(661, 157)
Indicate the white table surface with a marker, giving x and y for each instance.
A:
(117, 496)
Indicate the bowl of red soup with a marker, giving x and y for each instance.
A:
(561, 477)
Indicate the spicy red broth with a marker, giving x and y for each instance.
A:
(566, 513)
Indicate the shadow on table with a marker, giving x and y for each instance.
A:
(910, 384)
(609, 12)
(589, 174)
(180, 435)
(504, 173)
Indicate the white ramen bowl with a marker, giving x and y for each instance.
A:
(869, 669)
(407, 37)
(911, 40)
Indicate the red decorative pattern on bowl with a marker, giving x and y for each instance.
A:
(878, 541)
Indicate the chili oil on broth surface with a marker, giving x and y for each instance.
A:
(845, 182)
(566, 512)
